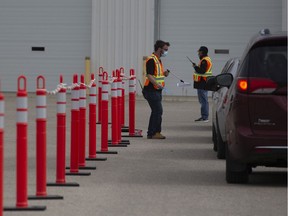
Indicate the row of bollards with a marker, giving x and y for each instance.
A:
(78, 131)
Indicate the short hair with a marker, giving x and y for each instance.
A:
(160, 44)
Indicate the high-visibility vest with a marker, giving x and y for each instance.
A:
(158, 72)
(197, 77)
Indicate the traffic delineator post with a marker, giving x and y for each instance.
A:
(61, 142)
(104, 113)
(119, 87)
(74, 149)
(115, 115)
(122, 74)
(92, 123)
(82, 126)
(21, 150)
(100, 78)
(41, 143)
(1, 149)
(132, 107)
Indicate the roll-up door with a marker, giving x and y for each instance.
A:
(43, 37)
(224, 26)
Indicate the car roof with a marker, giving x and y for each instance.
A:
(264, 35)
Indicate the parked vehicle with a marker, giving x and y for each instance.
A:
(219, 110)
(256, 123)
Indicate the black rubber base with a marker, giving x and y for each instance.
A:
(28, 208)
(117, 145)
(96, 159)
(124, 129)
(107, 152)
(137, 136)
(66, 184)
(84, 168)
(47, 197)
(123, 142)
(78, 174)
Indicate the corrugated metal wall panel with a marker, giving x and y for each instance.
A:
(63, 27)
(284, 15)
(122, 33)
(218, 24)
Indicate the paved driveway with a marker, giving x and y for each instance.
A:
(179, 176)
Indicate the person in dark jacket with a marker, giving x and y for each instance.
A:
(202, 71)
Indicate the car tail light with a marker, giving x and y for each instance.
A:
(256, 85)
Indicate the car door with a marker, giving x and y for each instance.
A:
(223, 101)
(216, 95)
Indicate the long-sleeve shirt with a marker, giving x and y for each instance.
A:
(201, 70)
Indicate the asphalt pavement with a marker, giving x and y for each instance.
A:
(178, 176)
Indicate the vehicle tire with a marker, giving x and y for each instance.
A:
(236, 172)
(221, 145)
(214, 138)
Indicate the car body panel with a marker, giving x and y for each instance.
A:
(256, 123)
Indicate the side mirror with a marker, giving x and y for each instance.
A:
(211, 84)
(215, 82)
(224, 80)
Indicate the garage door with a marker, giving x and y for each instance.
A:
(224, 26)
(43, 37)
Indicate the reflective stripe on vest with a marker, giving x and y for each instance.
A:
(158, 73)
(197, 77)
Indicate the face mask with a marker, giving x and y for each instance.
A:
(164, 54)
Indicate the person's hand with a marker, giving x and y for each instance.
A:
(166, 73)
(193, 64)
(159, 86)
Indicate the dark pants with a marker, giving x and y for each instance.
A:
(154, 99)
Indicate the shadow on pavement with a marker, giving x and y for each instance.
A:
(182, 154)
(268, 178)
(195, 127)
(191, 140)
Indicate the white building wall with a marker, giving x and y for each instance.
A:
(218, 24)
(122, 33)
(62, 27)
(284, 15)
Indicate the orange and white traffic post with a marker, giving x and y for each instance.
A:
(61, 141)
(74, 148)
(82, 126)
(21, 151)
(41, 143)
(104, 122)
(92, 123)
(1, 149)
(115, 115)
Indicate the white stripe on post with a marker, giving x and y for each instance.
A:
(93, 97)
(82, 98)
(105, 95)
(41, 107)
(61, 103)
(114, 89)
(75, 99)
(22, 112)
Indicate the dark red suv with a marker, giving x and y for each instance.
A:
(256, 125)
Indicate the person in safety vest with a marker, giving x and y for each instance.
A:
(153, 86)
(202, 72)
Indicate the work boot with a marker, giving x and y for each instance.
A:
(149, 137)
(158, 136)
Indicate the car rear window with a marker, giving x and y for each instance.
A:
(269, 60)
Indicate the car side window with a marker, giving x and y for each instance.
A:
(225, 67)
(230, 67)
